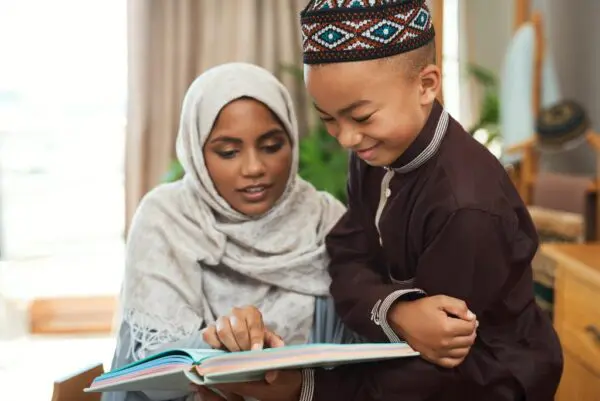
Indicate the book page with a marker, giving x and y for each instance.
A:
(251, 363)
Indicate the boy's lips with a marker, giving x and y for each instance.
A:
(368, 153)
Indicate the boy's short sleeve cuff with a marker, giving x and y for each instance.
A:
(380, 310)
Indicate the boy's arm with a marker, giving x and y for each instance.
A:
(362, 297)
(469, 259)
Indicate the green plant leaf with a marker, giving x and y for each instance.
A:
(295, 71)
(174, 173)
(482, 75)
(489, 113)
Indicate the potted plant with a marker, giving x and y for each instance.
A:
(489, 113)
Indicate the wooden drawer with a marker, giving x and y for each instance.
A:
(578, 383)
(578, 309)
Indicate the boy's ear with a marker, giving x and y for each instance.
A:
(431, 82)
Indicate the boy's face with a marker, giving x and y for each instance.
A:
(374, 108)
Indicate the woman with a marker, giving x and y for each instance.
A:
(241, 228)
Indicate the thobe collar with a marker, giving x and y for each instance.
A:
(426, 144)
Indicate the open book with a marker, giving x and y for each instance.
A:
(175, 369)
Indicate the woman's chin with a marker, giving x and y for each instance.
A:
(254, 209)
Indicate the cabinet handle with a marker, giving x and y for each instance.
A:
(594, 331)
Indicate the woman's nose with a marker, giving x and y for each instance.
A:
(252, 165)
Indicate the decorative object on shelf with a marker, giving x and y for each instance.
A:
(562, 126)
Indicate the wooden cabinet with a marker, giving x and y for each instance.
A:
(577, 318)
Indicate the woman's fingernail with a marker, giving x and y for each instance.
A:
(271, 376)
(256, 347)
(233, 321)
(470, 315)
(476, 323)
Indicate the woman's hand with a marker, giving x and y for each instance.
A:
(202, 393)
(242, 330)
(441, 328)
(284, 385)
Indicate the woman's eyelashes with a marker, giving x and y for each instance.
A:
(273, 147)
(269, 148)
(226, 153)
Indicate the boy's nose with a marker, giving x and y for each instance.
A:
(349, 139)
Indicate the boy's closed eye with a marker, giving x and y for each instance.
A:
(363, 118)
(326, 119)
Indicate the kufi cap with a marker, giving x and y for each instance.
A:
(336, 31)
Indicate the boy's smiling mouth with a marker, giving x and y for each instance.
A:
(368, 153)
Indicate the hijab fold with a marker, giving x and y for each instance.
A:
(191, 258)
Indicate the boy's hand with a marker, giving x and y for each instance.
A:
(284, 385)
(426, 326)
(243, 330)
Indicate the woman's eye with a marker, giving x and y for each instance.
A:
(273, 148)
(326, 119)
(227, 154)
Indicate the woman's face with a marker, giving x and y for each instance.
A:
(249, 156)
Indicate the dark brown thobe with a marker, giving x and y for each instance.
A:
(445, 218)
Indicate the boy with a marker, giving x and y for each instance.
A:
(429, 208)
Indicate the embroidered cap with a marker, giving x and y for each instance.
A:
(336, 31)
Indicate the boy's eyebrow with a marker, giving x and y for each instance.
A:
(347, 109)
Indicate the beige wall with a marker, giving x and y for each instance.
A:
(490, 24)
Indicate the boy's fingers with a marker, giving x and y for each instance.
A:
(462, 341)
(457, 353)
(450, 362)
(460, 328)
(456, 307)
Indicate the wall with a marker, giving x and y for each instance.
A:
(491, 27)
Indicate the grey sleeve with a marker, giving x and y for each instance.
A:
(328, 326)
(121, 358)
